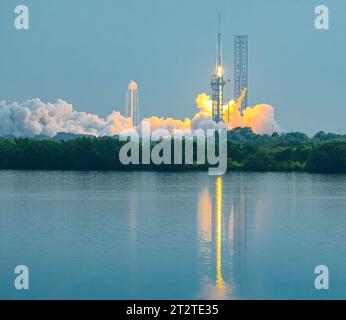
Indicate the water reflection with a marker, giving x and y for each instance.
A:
(133, 208)
(222, 241)
(133, 237)
(221, 286)
(146, 235)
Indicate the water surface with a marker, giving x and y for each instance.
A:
(147, 235)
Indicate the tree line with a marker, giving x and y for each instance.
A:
(323, 153)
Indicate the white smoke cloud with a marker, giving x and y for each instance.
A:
(204, 121)
(260, 118)
(34, 117)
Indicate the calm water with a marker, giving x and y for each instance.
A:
(143, 235)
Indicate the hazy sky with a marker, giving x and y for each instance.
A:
(86, 52)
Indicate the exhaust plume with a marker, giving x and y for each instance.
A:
(34, 117)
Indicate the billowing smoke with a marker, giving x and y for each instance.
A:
(259, 118)
(34, 117)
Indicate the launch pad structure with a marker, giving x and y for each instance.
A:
(217, 80)
(240, 75)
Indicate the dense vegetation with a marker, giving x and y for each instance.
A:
(325, 153)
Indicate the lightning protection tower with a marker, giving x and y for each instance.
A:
(240, 67)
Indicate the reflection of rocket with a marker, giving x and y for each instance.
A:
(228, 233)
(220, 289)
(205, 212)
(220, 284)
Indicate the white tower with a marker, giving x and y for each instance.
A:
(132, 103)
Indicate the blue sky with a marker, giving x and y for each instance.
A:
(86, 52)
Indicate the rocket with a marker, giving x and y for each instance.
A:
(217, 80)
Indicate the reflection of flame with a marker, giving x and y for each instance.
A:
(229, 235)
(205, 215)
(220, 284)
(220, 289)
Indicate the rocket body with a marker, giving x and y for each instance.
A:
(217, 81)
